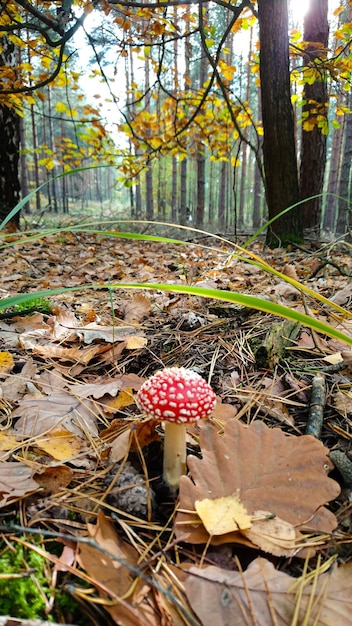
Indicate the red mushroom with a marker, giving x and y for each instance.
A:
(177, 396)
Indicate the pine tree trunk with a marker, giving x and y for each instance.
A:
(149, 200)
(201, 158)
(313, 142)
(10, 145)
(185, 212)
(344, 217)
(279, 150)
(333, 181)
(223, 183)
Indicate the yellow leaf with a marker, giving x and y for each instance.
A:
(61, 445)
(134, 343)
(223, 515)
(8, 440)
(6, 362)
(61, 107)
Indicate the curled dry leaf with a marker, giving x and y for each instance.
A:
(54, 479)
(15, 481)
(137, 309)
(263, 595)
(283, 475)
(110, 386)
(111, 565)
(343, 402)
(40, 414)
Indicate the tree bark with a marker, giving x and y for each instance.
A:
(315, 109)
(333, 181)
(344, 219)
(279, 150)
(10, 145)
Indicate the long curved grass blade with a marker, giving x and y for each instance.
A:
(249, 301)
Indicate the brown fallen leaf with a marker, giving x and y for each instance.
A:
(137, 309)
(283, 475)
(74, 355)
(54, 479)
(110, 567)
(110, 386)
(40, 414)
(264, 596)
(16, 481)
(342, 401)
(15, 386)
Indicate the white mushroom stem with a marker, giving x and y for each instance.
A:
(174, 454)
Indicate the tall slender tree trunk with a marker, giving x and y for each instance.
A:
(135, 200)
(344, 213)
(258, 182)
(279, 150)
(244, 159)
(223, 185)
(149, 201)
(201, 159)
(10, 145)
(185, 212)
(333, 180)
(54, 195)
(23, 164)
(315, 109)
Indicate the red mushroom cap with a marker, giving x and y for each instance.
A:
(176, 394)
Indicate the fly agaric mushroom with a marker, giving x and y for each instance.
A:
(177, 396)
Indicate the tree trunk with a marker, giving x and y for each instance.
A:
(313, 142)
(279, 151)
(201, 157)
(149, 200)
(334, 168)
(344, 191)
(258, 182)
(223, 184)
(10, 145)
(185, 212)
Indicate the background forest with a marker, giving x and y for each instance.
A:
(220, 115)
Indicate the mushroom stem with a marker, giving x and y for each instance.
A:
(174, 454)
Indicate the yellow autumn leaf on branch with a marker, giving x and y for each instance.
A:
(61, 107)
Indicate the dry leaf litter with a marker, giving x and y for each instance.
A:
(260, 532)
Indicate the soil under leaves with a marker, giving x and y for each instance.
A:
(260, 533)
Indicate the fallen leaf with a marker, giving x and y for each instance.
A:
(111, 334)
(40, 414)
(272, 534)
(281, 474)
(54, 479)
(120, 446)
(75, 355)
(342, 401)
(113, 568)
(60, 444)
(135, 343)
(15, 386)
(16, 481)
(222, 515)
(6, 362)
(110, 386)
(137, 309)
(265, 596)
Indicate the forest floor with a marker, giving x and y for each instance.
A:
(261, 530)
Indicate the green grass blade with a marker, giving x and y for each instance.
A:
(226, 296)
